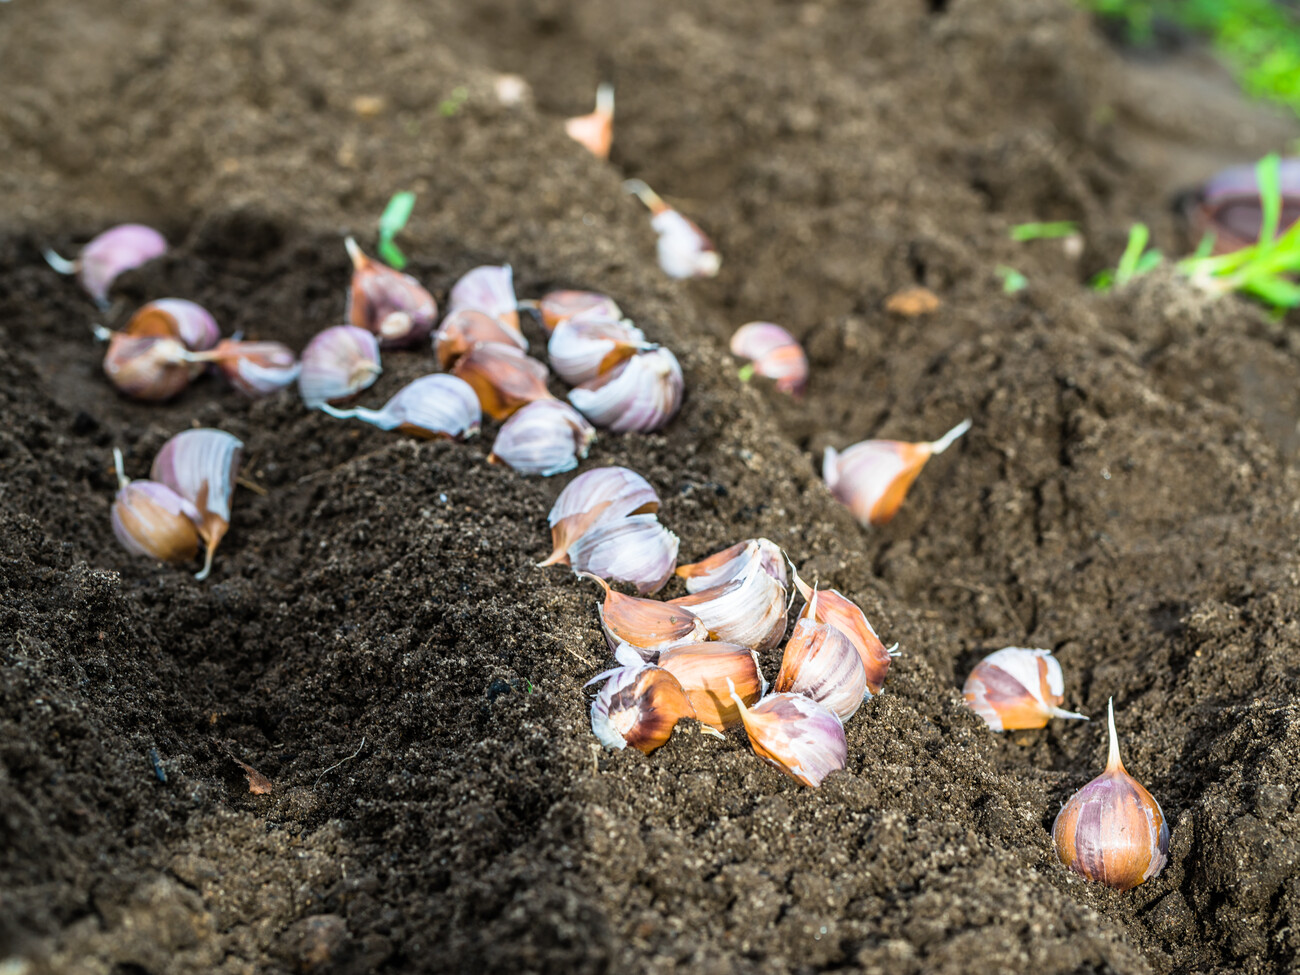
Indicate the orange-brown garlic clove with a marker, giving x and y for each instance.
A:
(602, 494)
(153, 520)
(463, 329)
(1017, 688)
(1112, 830)
(595, 132)
(820, 662)
(201, 466)
(647, 625)
(749, 611)
(709, 672)
(489, 289)
(733, 562)
(772, 353)
(504, 378)
(393, 306)
(147, 367)
(842, 613)
(555, 307)
(638, 706)
(802, 738)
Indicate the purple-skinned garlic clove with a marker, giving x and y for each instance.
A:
(462, 330)
(820, 662)
(640, 395)
(151, 519)
(393, 306)
(749, 611)
(598, 496)
(115, 251)
(773, 353)
(201, 466)
(638, 706)
(636, 549)
(802, 738)
(491, 290)
(256, 369)
(1017, 688)
(437, 406)
(178, 318)
(544, 437)
(337, 363)
(833, 607)
(555, 307)
(147, 367)
(736, 561)
(580, 350)
(683, 248)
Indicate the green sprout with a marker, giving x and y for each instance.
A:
(391, 222)
(1052, 230)
(746, 372)
(1012, 280)
(451, 105)
(1134, 262)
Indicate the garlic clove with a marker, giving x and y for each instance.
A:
(710, 673)
(748, 611)
(684, 250)
(1112, 830)
(839, 611)
(1017, 688)
(339, 362)
(731, 563)
(561, 306)
(646, 625)
(820, 662)
(201, 466)
(639, 395)
(598, 496)
(432, 407)
(179, 319)
(772, 353)
(153, 520)
(147, 367)
(582, 349)
(595, 132)
(873, 477)
(636, 549)
(802, 738)
(544, 437)
(255, 368)
(115, 251)
(491, 290)
(638, 706)
(503, 377)
(392, 305)
(462, 330)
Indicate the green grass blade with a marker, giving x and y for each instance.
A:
(1138, 236)
(1268, 176)
(1044, 231)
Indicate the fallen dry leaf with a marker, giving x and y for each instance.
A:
(258, 784)
(911, 302)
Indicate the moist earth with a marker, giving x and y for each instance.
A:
(375, 637)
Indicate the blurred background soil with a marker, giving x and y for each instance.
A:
(375, 638)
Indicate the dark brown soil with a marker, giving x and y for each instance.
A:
(375, 637)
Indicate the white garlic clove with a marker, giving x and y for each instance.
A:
(639, 395)
(462, 330)
(874, 476)
(638, 706)
(636, 549)
(255, 368)
(833, 607)
(749, 611)
(147, 367)
(544, 437)
(151, 519)
(598, 496)
(683, 248)
(180, 319)
(489, 289)
(201, 466)
(392, 305)
(774, 354)
(1112, 830)
(647, 626)
(595, 132)
(337, 363)
(582, 349)
(802, 738)
(710, 673)
(504, 378)
(562, 306)
(437, 406)
(731, 563)
(115, 251)
(820, 662)
(1017, 688)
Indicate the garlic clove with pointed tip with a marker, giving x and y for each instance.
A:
(820, 662)
(147, 367)
(636, 549)
(337, 363)
(683, 248)
(462, 330)
(749, 610)
(802, 738)
(115, 251)
(201, 466)
(874, 476)
(1112, 830)
(153, 520)
(595, 132)
(392, 305)
(774, 354)
(555, 307)
(431, 407)
(582, 349)
(503, 377)
(646, 625)
(639, 395)
(833, 607)
(489, 289)
(254, 368)
(731, 563)
(710, 673)
(1017, 688)
(638, 706)
(598, 496)
(544, 437)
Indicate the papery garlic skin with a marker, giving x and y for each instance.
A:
(151, 519)
(820, 662)
(555, 307)
(256, 369)
(544, 437)
(833, 607)
(802, 738)
(1112, 830)
(337, 363)
(645, 625)
(147, 367)
(115, 251)
(504, 378)
(201, 466)
(1017, 688)
(598, 496)
(431, 407)
(774, 354)
(710, 673)
(393, 306)
(638, 706)
(489, 289)
(874, 476)
(181, 319)
(640, 395)
(636, 549)
(761, 554)
(749, 611)
(582, 349)
(463, 329)
(595, 132)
